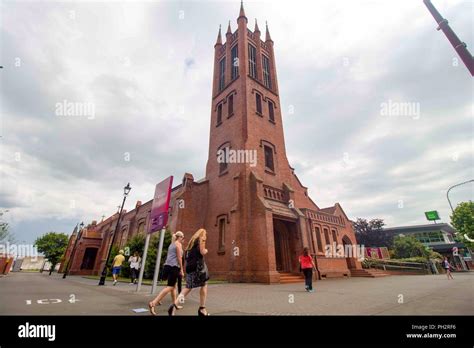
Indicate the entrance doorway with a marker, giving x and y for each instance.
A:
(286, 245)
(89, 258)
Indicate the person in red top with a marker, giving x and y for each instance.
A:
(307, 265)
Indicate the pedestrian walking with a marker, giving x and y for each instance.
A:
(117, 265)
(306, 266)
(134, 262)
(447, 266)
(172, 269)
(197, 273)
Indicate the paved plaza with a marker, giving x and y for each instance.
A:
(40, 294)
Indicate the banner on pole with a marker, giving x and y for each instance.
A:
(161, 203)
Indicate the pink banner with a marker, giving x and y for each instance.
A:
(161, 203)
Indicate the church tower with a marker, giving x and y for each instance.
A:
(258, 212)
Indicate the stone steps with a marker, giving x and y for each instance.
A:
(288, 278)
(369, 273)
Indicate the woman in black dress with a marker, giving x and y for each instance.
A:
(196, 271)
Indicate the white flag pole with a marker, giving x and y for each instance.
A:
(158, 260)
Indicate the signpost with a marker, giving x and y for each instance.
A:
(432, 215)
(157, 222)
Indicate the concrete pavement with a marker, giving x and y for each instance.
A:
(40, 294)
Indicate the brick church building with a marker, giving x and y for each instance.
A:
(258, 214)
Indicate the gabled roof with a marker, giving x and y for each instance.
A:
(329, 210)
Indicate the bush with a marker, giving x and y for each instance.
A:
(152, 250)
(407, 247)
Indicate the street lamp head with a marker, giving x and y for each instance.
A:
(126, 189)
(81, 225)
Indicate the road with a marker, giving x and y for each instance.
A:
(40, 294)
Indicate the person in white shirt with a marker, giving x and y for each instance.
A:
(134, 261)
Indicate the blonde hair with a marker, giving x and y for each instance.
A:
(176, 235)
(200, 234)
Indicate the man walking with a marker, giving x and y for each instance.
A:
(117, 265)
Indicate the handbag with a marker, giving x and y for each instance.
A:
(202, 271)
(165, 272)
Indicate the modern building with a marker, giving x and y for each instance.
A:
(257, 213)
(440, 238)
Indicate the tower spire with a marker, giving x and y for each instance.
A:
(229, 30)
(242, 11)
(256, 27)
(219, 37)
(267, 33)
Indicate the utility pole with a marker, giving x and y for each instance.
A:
(459, 46)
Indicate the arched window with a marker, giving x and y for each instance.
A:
(222, 156)
(141, 227)
(317, 231)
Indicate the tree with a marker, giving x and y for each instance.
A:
(52, 245)
(5, 234)
(152, 251)
(371, 233)
(408, 246)
(463, 219)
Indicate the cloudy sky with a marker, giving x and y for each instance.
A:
(147, 68)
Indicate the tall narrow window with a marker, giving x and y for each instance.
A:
(222, 74)
(326, 236)
(221, 235)
(219, 114)
(252, 61)
(235, 62)
(258, 102)
(230, 104)
(334, 236)
(141, 228)
(271, 112)
(222, 159)
(318, 238)
(267, 81)
(269, 158)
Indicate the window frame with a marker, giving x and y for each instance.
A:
(317, 231)
(271, 111)
(222, 63)
(252, 51)
(230, 105)
(267, 80)
(271, 152)
(219, 115)
(258, 104)
(221, 222)
(234, 69)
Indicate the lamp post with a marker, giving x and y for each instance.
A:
(459, 46)
(447, 193)
(73, 252)
(126, 191)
